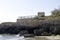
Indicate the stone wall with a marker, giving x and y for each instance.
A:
(41, 14)
(31, 21)
(24, 21)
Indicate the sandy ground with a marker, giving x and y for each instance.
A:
(44, 38)
(48, 38)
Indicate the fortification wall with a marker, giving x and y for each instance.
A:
(31, 21)
(24, 21)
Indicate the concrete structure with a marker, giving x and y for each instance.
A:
(41, 14)
(29, 21)
(24, 21)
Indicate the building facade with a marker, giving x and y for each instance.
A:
(29, 21)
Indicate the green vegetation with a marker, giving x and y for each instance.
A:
(56, 12)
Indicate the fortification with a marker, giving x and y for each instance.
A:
(29, 21)
(41, 14)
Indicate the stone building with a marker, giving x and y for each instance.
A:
(41, 14)
(30, 21)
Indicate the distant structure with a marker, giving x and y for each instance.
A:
(41, 14)
(26, 17)
(29, 20)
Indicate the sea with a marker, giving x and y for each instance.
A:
(13, 37)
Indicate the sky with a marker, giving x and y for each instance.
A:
(10, 10)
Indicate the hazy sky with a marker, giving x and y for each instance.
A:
(11, 9)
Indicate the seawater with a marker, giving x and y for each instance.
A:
(11, 37)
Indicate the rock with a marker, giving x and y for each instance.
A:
(29, 35)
